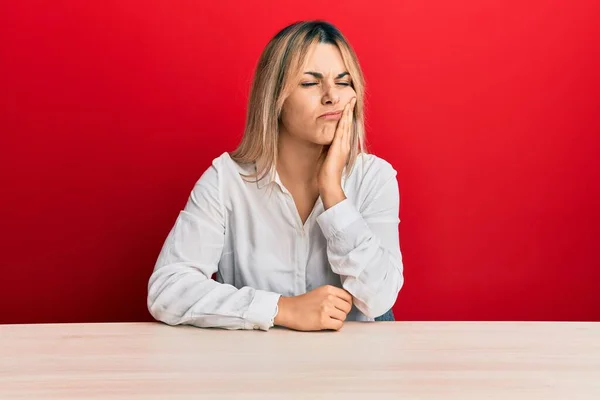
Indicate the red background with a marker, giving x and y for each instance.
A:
(111, 110)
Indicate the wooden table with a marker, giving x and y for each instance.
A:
(391, 360)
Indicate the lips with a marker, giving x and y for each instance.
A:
(332, 114)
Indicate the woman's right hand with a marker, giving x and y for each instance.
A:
(325, 307)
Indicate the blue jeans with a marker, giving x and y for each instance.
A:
(388, 316)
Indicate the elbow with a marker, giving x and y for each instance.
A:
(155, 302)
(154, 307)
(151, 298)
(160, 312)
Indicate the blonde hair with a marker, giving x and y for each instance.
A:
(278, 67)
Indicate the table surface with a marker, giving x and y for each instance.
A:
(407, 360)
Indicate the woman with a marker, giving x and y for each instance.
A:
(299, 223)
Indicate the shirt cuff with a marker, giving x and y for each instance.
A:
(262, 311)
(337, 218)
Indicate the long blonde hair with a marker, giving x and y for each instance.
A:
(274, 79)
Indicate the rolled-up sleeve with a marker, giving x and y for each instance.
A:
(363, 246)
(180, 289)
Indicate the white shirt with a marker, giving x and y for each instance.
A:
(253, 238)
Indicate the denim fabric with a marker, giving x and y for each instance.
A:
(388, 316)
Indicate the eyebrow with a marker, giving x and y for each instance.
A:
(320, 75)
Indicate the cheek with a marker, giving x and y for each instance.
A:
(349, 94)
(294, 117)
(300, 113)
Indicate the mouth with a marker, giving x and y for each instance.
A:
(332, 115)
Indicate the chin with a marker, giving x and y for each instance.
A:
(324, 141)
(326, 138)
(321, 137)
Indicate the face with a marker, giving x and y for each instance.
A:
(324, 87)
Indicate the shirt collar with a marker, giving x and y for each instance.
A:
(270, 176)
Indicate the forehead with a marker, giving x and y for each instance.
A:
(325, 58)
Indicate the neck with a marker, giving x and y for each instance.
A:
(298, 161)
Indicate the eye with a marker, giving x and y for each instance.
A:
(307, 84)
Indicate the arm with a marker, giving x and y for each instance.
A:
(180, 290)
(363, 247)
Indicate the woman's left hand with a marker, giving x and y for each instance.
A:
(330, 173)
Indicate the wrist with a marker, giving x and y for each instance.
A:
(283, 306)
(332, 196)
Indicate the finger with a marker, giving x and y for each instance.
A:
(341, 127)
(346, 117)
(342, 305)
(341, 293)
(350, 111)
(350, 119)
(334, 324)
(345, 134)
(337, 314)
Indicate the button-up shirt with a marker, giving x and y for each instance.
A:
(251, 235)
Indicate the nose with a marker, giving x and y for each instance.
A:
(330, 95)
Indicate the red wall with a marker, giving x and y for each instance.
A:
(111, 110)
